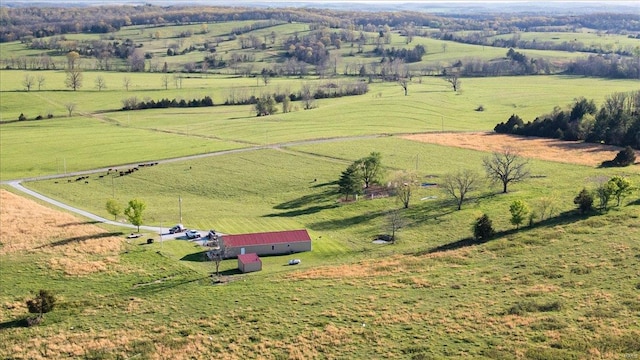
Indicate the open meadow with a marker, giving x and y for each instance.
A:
(561, 285)
(98, 126)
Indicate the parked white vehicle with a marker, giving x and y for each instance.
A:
(294, 261)
(192, 234)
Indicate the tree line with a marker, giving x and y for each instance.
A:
(489, 38)
(132, 103)
(617, 122)
(21, 22)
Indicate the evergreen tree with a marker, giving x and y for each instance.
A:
(584, 200)
(483, 228)
(350, 182)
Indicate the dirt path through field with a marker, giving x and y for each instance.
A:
(530, 147)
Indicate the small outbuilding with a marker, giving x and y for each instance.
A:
(249, 263)
(267, 243)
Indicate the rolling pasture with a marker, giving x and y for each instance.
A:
(123, 137)
(563, 287)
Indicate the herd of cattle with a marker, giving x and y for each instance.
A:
(115, 172)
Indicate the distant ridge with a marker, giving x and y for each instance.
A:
(462, 7)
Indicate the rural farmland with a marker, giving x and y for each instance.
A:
(467, 183)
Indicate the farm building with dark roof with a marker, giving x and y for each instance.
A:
(266, 243)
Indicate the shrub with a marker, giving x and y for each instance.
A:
(483, 228)
(22, 117)
(584, 200)
(42, 303)
(519, 211)
(625, 157)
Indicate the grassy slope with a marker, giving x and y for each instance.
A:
(567, 286)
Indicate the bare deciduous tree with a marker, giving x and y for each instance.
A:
(404, 83)
(165, 81)
(405, 182)
(28, 81)
(395, 222)
(459, 184)
(74, 79)
(70, 107)
(100, 83)
(41, 80)
(126, 82)
(453, 80)
(306, 93)
(506, 167)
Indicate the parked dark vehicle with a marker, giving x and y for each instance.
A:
(176, 229)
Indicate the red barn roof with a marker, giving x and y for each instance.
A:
(267, 238)
(248, 258)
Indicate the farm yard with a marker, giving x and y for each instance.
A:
(560, 283)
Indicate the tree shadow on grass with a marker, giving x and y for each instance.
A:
(80, 223)
(564, 218)
(200, 256)
(331, 183)
(306, 211)
(636, 202)
(161, 285)
(12, 324)
(337, 224)
(229, 272)
(306, 200)
(82, 238)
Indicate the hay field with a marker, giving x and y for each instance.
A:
(571, 152)
(73, 246)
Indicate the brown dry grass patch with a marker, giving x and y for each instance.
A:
(572, 152)
(74, 246)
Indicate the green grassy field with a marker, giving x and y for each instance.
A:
(568, 285)
(123, 137)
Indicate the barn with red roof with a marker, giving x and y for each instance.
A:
(266, 243)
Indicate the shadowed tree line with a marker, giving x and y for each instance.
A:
(617, 122)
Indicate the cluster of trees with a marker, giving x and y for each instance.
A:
(407, 55)
(311, 48)
(133, 212)
(617, 122)
(615, 67)
(515, 63)
(60, 45)
(489, 38)
(307, 93)
(132, 103)
(615, 188)
(263, 24)
(360, 175)
(505, 168)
